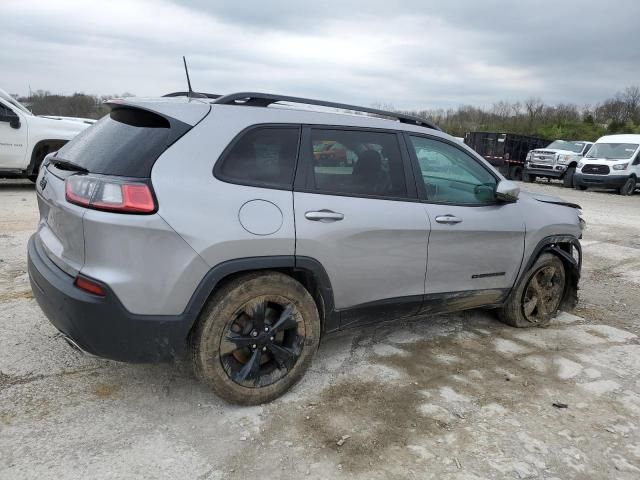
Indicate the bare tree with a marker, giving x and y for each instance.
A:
(534, 107)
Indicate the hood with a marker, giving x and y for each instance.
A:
(88, 121)
(554, 150)
(553, 200)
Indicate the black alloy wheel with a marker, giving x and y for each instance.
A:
(262, 343)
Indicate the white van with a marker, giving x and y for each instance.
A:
(25, 138)
(613, 162)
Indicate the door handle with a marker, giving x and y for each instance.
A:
(448, 219)
(324, 216)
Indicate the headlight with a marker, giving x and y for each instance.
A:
(620, 166)
(580, 165)
(564, 159)
(529, 155)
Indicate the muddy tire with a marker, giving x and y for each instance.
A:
(567, 179)
(537, 299)
(526, 177)
(256, 337)
(629, 187)
(515, 173)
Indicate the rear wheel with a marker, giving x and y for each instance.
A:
(536, 301)
(256, 338)
(629, 187)
(567, 180)
(526, 177)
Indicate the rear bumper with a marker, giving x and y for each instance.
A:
(101, 325)
(600, 181)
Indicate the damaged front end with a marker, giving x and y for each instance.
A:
(570, 252)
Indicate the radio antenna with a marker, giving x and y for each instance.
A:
(186, 70)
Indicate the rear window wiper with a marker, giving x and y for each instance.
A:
(67, 165)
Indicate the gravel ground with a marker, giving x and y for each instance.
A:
(454, 396)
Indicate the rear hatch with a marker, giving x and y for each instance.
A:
(124, 144)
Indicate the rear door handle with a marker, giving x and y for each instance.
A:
(448, 219)
(324, 216)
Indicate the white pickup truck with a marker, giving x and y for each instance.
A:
(558, 160)
(25, 138)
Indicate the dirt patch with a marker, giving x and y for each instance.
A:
(446, 401)
(7, 380)
(105, 391)
(11, 296)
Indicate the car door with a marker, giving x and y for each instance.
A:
(13, 141)
(634, 168)
(359, 216)
(476, 243)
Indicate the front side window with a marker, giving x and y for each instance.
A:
(5, 111)
(357, 163)
(451, 175)
(263, 156)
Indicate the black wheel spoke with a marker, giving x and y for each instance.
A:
(262, 343)
(286, 320)
(283, 356)
(258, 315)
(251, 368)
(240, 341)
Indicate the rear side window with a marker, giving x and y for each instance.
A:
(361, 163)
(127, 142)
(263, 157)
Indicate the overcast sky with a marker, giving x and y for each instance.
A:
(421, 53)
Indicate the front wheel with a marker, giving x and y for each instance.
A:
(256, 337)
(526, 177)
(567, 180)
(515, 173)
(628, 187)
(579, 187)
(537, 299)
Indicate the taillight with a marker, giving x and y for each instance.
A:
(110, 194)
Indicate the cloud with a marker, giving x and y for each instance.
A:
(420, 54)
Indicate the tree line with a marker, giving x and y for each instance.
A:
(42, 102)
(618, 114)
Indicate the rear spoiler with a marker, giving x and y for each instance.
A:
(190, 111)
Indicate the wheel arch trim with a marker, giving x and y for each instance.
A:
(288, 263)
(34, 161)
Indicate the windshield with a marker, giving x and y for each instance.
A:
(612, 151)
(575, 147)
(5, 96)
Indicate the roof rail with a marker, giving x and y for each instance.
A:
(192, 94)
(255, 99)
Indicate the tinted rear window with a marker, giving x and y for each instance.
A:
(126, 142)
(263, 157)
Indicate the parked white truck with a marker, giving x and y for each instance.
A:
(25, 138)
(558, 160)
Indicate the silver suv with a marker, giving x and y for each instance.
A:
(239, 229)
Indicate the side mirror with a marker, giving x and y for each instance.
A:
(12, 118)
(507, 191)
